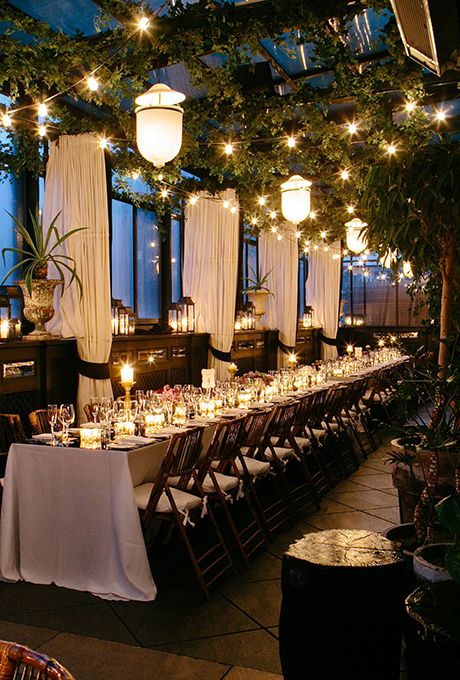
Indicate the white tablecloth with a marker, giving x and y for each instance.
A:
(69, 517)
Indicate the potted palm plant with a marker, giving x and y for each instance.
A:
(411, 206)
(257, 291)
(38, 250)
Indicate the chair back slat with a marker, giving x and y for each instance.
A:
(18, 662)
(225, 445)
(255, 431)
(282, 422)
(39, 421)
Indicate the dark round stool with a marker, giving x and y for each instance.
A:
(342, 608)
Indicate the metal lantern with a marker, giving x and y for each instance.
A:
(5, 316)
(295, 199)
(356, 242)
(307, 317)
(173, 316)
(187, 314)
(159, 124)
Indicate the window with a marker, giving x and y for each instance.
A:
(374, 293)
(123, 253)
(250, 265)
(303, 275)
(9, 201)
(148, 263)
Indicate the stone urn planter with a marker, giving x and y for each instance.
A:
(39, 306)
(259, 300)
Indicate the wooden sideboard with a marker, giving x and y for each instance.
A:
(308, 345)
(410, 338)
(255, 350)
(33, 374)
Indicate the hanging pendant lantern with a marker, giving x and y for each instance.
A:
(295, 199)
(356, 242)
(159, 124)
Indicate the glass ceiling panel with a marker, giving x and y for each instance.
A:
(293, 58)
(365, 31)
(177, 77)
(68, 16)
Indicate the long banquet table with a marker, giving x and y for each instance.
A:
(69, 517)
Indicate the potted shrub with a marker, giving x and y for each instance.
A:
(37, 252)
(257, 291)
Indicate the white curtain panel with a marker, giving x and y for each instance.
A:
(281, 259)
(76, 186)
(211, 270)
(323, 292)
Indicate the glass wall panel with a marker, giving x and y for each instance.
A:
(9, 201)
(122, 253)
(147, 265)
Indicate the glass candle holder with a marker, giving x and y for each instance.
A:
(124, 428)
(154, 422)
(90, 438)
(180, 414)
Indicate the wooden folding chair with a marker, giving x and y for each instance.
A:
(226, 482)
(39, 421)
(18, 662)
(11, 430)
(176, 498)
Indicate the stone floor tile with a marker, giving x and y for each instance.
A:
(330, 506)
(350, 520)
(261, 601)
(369, 468)
(365, 500)
(239, 673)
(253, 649)
(345, 486)
(379, 481)
(89, 659)
(168, 621)
(31, 636)
(390, 514)
(96, 620)
(29, 597)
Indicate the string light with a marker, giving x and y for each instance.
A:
(352, 128)
(226, 204)
(344, 252)
(440, 116)
(42, 130)
(326, 249)
(160, 177)
(345, 174)
(410, 107)
(312, 215)
(144, 23)
(298, 234)
(336, 256)
(274, 230)
(164, 193)
(254, 221)
(92, 83)
(273, 214)
(350, 209)
(262, 200)
(233, 209)
(306, 249)
(350, 267)
(193, 199)
(291, 142)
(42, 110)
(280, 237)
(6, 120)
(103, 143)
(323, 234)
(391, 149)
(228, 149)
(135, 175)
(315, 247)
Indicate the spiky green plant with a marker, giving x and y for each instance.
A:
(41, 249)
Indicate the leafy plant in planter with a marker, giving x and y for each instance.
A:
(411, 205)
(257, 282)
(39, 250)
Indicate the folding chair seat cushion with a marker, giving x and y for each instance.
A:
(281, 452)
(184, 501)
(226, 483)
(302, 442)
(255, 467)
(319, 434)
(335, 427)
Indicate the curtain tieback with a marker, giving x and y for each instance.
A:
(221, 356)
(93, 370)
(329, 341)
(285, 348)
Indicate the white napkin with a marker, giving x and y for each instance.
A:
(133, 439)
(46, 436)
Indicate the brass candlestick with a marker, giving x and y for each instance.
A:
(127, 385)
(232, 369)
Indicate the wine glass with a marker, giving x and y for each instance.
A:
(67, 417)
(52, 415)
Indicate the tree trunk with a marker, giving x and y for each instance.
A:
(445, 324)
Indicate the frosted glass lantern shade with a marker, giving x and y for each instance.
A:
(295, 199)
(159, 124)
(388, 258)
(355, 241)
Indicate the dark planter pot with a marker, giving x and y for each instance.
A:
(428, 563)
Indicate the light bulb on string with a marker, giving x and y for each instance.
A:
(291, 142)
(42, 110)
(261, 200)
(440, 116)
(160, 177)
(226, 204)
(92, 83)
(144, 23)
(228, 149)
(280, 237)
(254, 221)
(410, 107)
(350, 209)
(103, 143)
(42, 130)
(345, 175)
(164, 193)
(315, 247)
(336, 256)
(323, 234)
(273, 214)
(326, 249)
(391, 149)
(312, 215)
(193, 199)
(233, 209)
(298, 234)
(274, 230)
(6, 120)
(352, 128)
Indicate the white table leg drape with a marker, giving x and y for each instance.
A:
(211, 270)
(281, 259)
(76, 186)
(323, 293)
